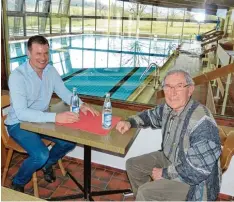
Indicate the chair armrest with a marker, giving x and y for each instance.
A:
(222, 135)
(227, 151)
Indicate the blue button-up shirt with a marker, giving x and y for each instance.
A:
(30, 96)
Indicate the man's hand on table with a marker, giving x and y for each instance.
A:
(70, 117)
(66, 117)
(157, 173)
(86, 107)
(123, 126)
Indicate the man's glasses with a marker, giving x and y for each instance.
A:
(178, 87)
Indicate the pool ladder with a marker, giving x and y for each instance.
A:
(156, 75)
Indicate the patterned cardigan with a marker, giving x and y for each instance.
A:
(199, 148)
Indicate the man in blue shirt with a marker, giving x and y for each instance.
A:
(31, 87)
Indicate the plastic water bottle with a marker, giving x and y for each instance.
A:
(107, 113)
(74, 106)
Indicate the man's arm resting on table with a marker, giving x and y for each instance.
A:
(20, 105)
(66, 117)
(148, 118)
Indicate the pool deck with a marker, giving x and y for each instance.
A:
(193, 65)
(188, 62)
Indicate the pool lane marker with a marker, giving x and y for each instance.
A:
(123, 80)
(74, 74)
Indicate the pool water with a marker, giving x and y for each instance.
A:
(98, 64)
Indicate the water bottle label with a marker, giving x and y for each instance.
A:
(108, 104)
(75, 109)
(107, 119)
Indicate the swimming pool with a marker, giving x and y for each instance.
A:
(98, 64)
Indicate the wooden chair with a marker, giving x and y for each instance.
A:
(227, 140)
(12, 146)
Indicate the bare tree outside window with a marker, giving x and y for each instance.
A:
(133, 10)
(102, 8)
(172, 15)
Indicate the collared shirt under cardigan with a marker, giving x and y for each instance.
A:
(192, 145)
(30, 95)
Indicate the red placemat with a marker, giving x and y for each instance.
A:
(92, 124)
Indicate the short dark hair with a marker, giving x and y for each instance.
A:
(39, 39)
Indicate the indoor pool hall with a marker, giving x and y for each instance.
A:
(117, 100)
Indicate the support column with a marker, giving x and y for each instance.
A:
(109, 13)
(226, 93)
(64, 10)
(138, 21)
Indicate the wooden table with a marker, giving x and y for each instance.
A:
(113, 142)
(12, 195)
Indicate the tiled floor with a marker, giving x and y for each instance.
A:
(103, 178)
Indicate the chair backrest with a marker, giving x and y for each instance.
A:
(227, 140)
(5, 102)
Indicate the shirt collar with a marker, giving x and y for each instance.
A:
(31, 70)
(174, 113)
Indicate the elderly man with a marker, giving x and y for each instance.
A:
(31, 87)
(187, 166)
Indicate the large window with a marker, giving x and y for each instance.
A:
(15, 5)
(89, 7)
(31, 25)
(205, 27)
(145, 16)
(159, 24)
(15, 25)
(102, 8)
(30, 5)
(175, 22)
(44, 25)
(89, 25)
(116, 26)
(64, 24)
(129, 26)
(76, 8)
(29, 17)
(102, 25)
(159, 28)
(117, 9)
(56, 24)
(191, 25)
(145, 27)
(54, 6)
(76, 25)
(116, 17)
(190, 28)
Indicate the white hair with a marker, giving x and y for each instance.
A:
(187, 76)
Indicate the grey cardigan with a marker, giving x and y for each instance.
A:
(197, 154)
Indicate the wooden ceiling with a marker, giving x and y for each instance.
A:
(187, 3)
